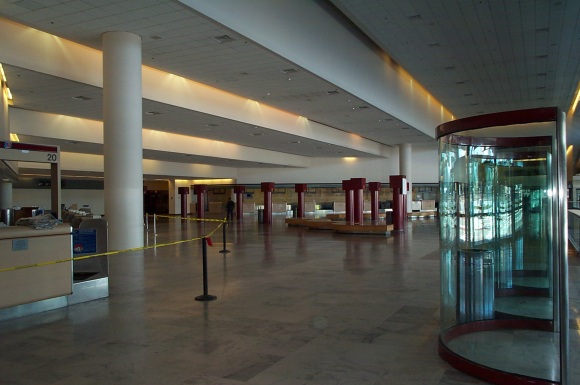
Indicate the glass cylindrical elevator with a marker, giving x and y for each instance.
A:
(503, 239)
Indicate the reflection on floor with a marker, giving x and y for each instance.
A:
(294, 306)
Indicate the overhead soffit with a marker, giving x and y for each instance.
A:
(475, 57)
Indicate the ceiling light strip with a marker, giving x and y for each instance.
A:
(576, 99)
(5, 83)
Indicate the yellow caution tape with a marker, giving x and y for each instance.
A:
(191, 219)
(40, 264)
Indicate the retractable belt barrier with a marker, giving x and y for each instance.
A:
(204, 238)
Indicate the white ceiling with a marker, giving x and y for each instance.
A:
(473, 56)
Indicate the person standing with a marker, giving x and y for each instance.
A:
(230, 206)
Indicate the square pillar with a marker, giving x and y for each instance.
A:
(399, 185)
(358, 186)
(183, 192)
(200, 190)
(374, 188)
(267, 188)
(300, 188)
(239, 191)
(348, 197)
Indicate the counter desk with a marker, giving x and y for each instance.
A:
(23, 246)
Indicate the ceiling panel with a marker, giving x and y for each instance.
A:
(473, 56)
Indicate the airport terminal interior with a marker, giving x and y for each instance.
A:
(405, 177)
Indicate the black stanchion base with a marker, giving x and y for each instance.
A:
(206, 297)
(224, 251)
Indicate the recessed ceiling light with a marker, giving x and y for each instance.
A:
(82, 98)
(404, 128)
(294, 142)
(223, 38)
(363, 107)
(332, 92)
(289, 71)
(256, 134)
(152, 113)
(211, 125)
(155, 37)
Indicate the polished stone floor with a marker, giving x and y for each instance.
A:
(294, 306)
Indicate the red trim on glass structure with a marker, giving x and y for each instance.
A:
(532, 115)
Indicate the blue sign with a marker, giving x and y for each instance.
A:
(84, 241)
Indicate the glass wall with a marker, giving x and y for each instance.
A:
(502, 247)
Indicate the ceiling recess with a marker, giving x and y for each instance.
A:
(223, 39)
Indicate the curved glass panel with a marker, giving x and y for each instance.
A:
(499, 268)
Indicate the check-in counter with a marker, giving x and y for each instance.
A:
(23, 246)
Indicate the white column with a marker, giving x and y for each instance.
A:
(406, 168)
(5, 187)
(123, 147)
(5, 195)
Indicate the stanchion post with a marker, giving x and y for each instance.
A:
(146, 221)
(155, 224)
(205, 296)
(224, 251)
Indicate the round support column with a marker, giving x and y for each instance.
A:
(267, 189)
(5, 187)
(239, 191)
(374, 187)
(200, 190)
(406, 168)
(5, 195)
(300, 188)
(123, 149)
